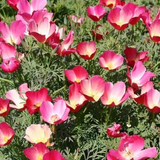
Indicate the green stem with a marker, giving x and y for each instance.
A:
(6, 80)
(55, 92)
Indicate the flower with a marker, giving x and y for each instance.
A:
(35, 99)
(114, 131)
(138, 76)
(130, 147)
(96, 12)
(54, 114)
(6, 134)
(36, 133)
(36, 152)
(133, 56)
(53, 154)
(93, 88)
(114, 95)
(77, 74)
(110, 60)
(4, 107)
(86, 50)
(14, 34)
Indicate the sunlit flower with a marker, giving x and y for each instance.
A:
(93, 88)
(54, 155)
(54, 114)
(76, 74)
(36, 133)
(4, 107)
(114, 95)
(36, 152)
(130, 147)
(86, 50)
(110, 60)
(96, 12)
(6, 134)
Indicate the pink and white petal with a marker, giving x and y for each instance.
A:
(38, 4)
(147, 153)
(24, 7)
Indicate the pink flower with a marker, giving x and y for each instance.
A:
(119, 17)
(8, 54)
(54, 155)
(77, 74)
(25, 7)
(114, 131)
(154, 30)
(114, 95)
(152, 100)
(36, 152)
(4, 107)
(133, 56)
(13, 3)
(35, 99)
(76, 99)
(110, 60)
(135, 94)
(37, 133)
(40, 25)
(93, 88)
(138, 76)
(130, 147)
(6, 134)
(14, 34)
(64, 49)
(86, 50)
(137, 12)
(54, 114)
(109, 3)
(96, 12)
(18, 98)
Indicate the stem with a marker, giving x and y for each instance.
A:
(6, 80)
(55, 92)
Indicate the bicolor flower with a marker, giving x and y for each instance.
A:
(8, 53)
(6, 134)
(96, 12)
(4, 107)
(114, 131)
(109, 3)
(14, 34)
(64, 48)
(140, 98)
(93, 88)
(152, 100)
(138, 75)
(18, 98)
(130, 147)
(114, 95)
(119, 17)
(77, 74)
(35, 99)
(37, 133)
(86, 50)
(54, 114)
(13, 3)
(110, 60)
(53, 154)
(133, 56)
(76, 99)
(36, 152)
(40, 25)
